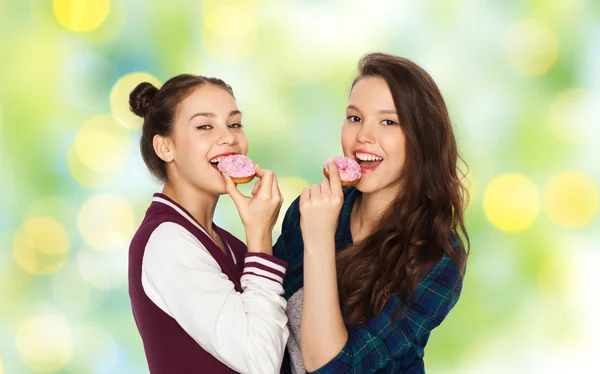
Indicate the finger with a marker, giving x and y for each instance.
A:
(281, 198)
(260, 172)
(315, 192)
(304, 196)
(256, 187)
(266, 186)
(232, 190)
(275, 187)
(326, 189)
(335, 184)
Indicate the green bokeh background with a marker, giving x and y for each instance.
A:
(522, 83)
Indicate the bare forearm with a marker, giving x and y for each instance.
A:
(323, 333)
(259, 242)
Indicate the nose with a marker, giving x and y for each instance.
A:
(226, 137)
(365, 134)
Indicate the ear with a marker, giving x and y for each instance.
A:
(163, 147)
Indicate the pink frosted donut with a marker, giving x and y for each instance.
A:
(348, 168)
(239, 167)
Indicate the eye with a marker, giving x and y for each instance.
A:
(235, 126)
(204, 127)
(352, 118)
(389, 122)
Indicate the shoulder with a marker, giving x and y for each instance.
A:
(171, 239)
(172, 246)
(440, 287)
(445, 269)
(154, 218)
(173, 230)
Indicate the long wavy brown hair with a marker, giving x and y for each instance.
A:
(416, 230)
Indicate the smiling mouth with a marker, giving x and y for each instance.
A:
(368, 162)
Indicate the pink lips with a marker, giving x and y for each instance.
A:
(368, 170)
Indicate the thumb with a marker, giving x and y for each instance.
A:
(232, 190)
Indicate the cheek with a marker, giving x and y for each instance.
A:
(195, 150)
(243, 142)
(348, 138)
(395, 148)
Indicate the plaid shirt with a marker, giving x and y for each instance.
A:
(377, 346)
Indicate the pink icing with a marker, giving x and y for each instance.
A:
(237, 166)
(348, 168)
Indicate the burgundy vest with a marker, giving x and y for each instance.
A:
(169, 349)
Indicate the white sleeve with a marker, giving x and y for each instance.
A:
(246, 331)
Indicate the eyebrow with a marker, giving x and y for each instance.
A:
(385, 111)
(212, 115)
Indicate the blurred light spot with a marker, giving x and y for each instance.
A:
(102, 144)
(41, 246)
(531, 47)
(44, 343)
(95, 348)
(574, 115)
(119, 98)
(0, 128)
(1, 370)
(46, 235)
(52, 206)
(559, 11)
(71, 290)
(81, 15)
(511, 202)
(233, 43)
(291, 188)
(12, 277)
(571, 199)
(99, 152)
(106, 222)
(84, 175)
(103, 270)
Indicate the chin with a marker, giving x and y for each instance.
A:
(365, 187)
(220, 190)
(215, 189)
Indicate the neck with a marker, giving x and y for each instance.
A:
(200, 204)
(368, 210)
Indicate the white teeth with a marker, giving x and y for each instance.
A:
(367, 157)
(216, 160)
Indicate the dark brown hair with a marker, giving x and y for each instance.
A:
(417, 228)
(158, 107)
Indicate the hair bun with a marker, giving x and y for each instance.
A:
(140, 99)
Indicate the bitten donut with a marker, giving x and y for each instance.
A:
(240, 168)
(348, 168)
